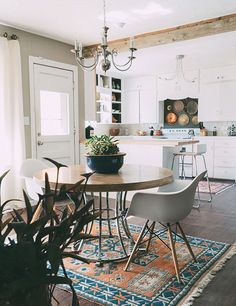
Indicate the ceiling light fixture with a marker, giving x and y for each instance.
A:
(179, 73)
(104, 52)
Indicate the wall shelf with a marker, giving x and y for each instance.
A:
(108, 99)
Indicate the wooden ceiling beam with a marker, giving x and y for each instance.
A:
(180, 33)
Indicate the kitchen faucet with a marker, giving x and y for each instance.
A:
(191, 133)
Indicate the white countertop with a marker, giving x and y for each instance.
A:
(157, 140)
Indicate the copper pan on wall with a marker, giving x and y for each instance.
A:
(171, 118)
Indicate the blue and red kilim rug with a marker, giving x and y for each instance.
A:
(151, 277)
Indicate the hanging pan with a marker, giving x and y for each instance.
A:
(183, 119)
(192, 107)
(171, 118)
(178, 106)
(195, 120)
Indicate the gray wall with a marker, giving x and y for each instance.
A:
(36, 45)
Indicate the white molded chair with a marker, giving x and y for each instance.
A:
(27, 171)
(168, 206)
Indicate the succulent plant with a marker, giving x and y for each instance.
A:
(102, 145)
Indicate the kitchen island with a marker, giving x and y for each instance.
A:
(152, 151)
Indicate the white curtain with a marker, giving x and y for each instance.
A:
(12, 140)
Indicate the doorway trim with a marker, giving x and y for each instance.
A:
(53, 64)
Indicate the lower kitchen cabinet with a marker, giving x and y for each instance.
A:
(220, 157)
(224, 161)
(209, 157)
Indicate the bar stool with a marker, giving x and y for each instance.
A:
(199, 151)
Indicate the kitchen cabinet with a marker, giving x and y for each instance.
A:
(217, 94)
(130, 110)
(140, 100)
(209, 157)
(178, 88)
(224, 160)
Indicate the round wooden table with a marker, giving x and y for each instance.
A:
(129, 178)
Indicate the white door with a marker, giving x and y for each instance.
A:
(54, 120)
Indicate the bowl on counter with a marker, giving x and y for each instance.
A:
(114, 132)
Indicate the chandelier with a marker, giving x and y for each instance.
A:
(102, 54)
(179, 72)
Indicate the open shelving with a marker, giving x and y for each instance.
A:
(108, 99)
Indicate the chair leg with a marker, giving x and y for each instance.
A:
(207, 178)
(173, 161)
(140, 237)
(173, 252)
(150, 236)
(187, 243)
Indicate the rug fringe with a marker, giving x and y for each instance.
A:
(197, 291)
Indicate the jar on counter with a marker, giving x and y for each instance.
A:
(214, 131)
(158, 133)
(203, 132)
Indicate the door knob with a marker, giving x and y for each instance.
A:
(40, 143)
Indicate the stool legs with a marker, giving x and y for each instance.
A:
(207, 177)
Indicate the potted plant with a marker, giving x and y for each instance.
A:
(32, 248)
(103, 155)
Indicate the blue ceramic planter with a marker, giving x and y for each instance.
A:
(105, 163)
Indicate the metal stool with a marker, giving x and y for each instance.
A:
(200, 150)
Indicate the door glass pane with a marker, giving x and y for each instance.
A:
(54, 111)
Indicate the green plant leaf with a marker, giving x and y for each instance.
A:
(58, 165)
(28, 206)
(18, 216)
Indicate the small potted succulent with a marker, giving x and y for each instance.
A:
(103, 154)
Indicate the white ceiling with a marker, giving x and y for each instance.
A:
(208, 51)
(67, 20)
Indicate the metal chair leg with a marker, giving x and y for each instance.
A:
(140, 237)
(172, 245)
(207, 177)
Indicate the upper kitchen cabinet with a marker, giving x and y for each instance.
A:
(140, 100)
(169, 86)
(217, 94)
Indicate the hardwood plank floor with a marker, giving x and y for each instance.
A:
(215, 222)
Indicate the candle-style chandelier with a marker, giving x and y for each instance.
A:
(102, 54)
(179, 75)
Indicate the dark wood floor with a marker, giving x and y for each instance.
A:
(216, 222)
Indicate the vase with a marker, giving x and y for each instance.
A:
(110, 163)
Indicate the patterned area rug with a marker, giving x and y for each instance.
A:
(151, 277)
(216, 187)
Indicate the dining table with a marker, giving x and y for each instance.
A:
(114, 240)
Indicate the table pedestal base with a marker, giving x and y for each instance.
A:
(114, 241)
